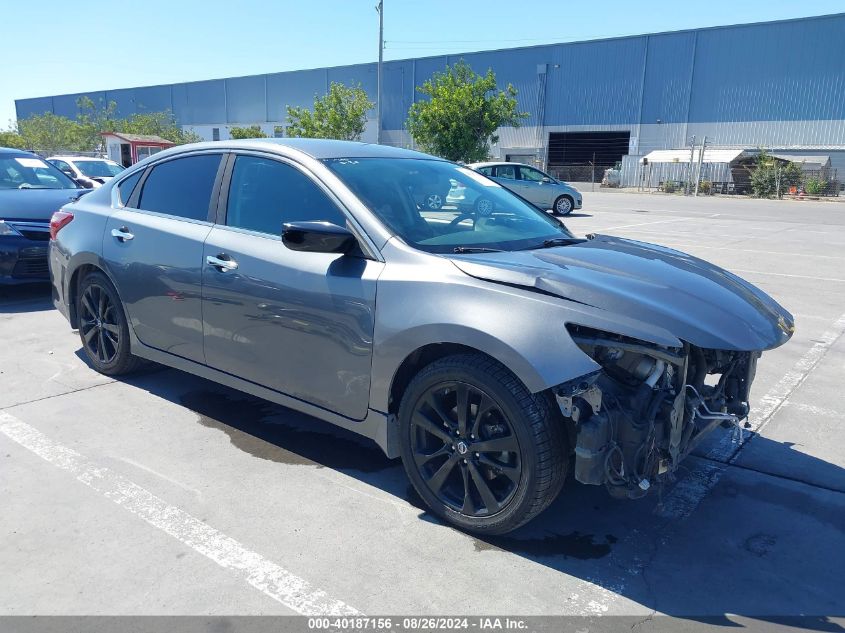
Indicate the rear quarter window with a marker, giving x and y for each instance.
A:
(127, 186)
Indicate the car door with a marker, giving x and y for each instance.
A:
(533, 189)
(153, 248)
(300, 323)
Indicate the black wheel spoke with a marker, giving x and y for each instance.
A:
(435, 404)
(462, 392)
(101, 346)
(89, 333)
(505, 444)
(86, 302)
(424, 458)
(487, 496)
(111, 327)
(101, 305)
(427, 424)
(511, 472)
(484, 407)
(439, 478)
(469, 505)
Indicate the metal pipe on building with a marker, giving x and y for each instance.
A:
(380, 9)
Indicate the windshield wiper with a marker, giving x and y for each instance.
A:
(556, 241)
(476, 249)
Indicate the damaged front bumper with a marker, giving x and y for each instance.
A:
(635, 420)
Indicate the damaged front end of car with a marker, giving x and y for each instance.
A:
(633, 421)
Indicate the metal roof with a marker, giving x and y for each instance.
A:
(683, 155)
(140, 138)
(807, 160)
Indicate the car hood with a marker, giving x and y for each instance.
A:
(34, 204)
(692, 299)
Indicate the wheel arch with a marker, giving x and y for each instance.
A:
(84, 264)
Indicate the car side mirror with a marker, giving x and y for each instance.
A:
(318, 237)
(546, 179)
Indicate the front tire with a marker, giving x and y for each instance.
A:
(483, 452)
(563, 205)
(103, 328)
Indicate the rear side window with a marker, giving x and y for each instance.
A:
(127, 185)
(506, 171)
(487, 171)
(181, 187)
(265, 193)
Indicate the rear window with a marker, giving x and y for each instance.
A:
(181, 187)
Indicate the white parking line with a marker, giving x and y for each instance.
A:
(266, 576)
(688, 494)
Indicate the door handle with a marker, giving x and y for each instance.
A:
(122, 234)
(223, 265)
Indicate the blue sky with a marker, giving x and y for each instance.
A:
(55, 47)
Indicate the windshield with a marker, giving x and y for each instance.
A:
(441, 207)
(30, 172)
(98, 168)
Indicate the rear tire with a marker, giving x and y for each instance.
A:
(103, 328)
(492, 468)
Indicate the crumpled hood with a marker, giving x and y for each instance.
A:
(694, 300)
(34, 205)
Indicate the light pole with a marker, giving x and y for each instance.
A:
(380, 9)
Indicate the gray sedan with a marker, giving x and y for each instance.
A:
(484, 344)
(534, 185)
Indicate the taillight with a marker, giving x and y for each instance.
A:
(59, 220)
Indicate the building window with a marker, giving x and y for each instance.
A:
(215, 134)
(278, 131)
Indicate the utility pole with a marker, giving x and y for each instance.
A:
(380, 9)
(700, 161)
(689, 167)
(593, 176)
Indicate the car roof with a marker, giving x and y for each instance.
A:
(11, 151)
(74, 158)
(317, 148)
(496, 163)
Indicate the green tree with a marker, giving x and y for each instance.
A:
(459, 119)
(341, 114)
(51, 133)
(253, 131)
(771, 178)
(11, 138)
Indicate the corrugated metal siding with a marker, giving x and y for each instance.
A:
(771, 72)
(765, 74)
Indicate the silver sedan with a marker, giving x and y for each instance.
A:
(534, 185)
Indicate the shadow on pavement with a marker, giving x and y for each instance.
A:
(25, 298)
(758, 545)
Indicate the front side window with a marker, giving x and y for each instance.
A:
(264, 194)
(532, 175)
(478, 213)
(181, 187)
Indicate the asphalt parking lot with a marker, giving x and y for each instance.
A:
(167, 494)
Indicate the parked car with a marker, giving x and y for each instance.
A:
(488, 350)
(88, 172)
(534, 185)
(31, 190)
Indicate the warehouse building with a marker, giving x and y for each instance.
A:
(778, 85)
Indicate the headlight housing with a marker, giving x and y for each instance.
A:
(7, 229)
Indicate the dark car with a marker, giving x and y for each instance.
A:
(489, 348)
(31, 190)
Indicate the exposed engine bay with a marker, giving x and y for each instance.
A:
(632, 422)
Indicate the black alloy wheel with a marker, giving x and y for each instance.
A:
(98, 324)
(482, 452)
(103, 328)
(465, 450)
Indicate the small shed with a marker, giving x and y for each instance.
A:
(128, 149)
